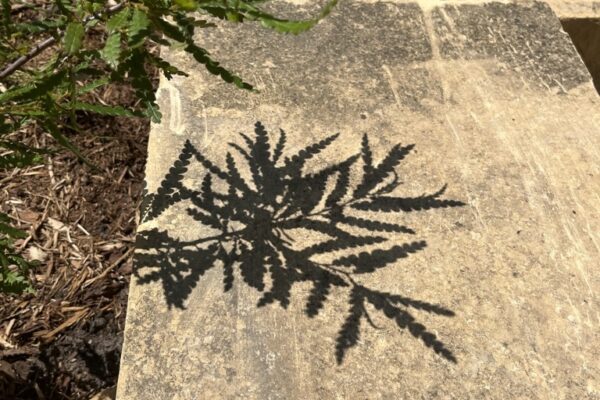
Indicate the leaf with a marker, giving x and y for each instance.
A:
(13, 268)
(16, 93)
(37, 27)
(118, 20)
(21, 155)
(21, 160)
(6, 20)
(187, 5)
(93, 85)
(234, 16)
(170, 30)
(116, 111)
(34, 90)
(214, 67)
(12, 232)
(112, 50)
(64, 7)
(282, 25)
(168, 69)
(134, 65)
(14, 282)
(73, 37)
(152, 112)
(138, 27)
(215, 10)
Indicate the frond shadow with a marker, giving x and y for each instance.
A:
(253, 218)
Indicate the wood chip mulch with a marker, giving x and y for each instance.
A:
(64, 341)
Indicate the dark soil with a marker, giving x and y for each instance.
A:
(80, 362)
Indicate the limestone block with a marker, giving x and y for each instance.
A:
(428, 228)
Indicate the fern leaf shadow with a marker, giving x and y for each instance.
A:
(253, 218)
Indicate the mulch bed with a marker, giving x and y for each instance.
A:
(64, 341)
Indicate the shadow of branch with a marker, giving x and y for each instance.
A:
(255, 218)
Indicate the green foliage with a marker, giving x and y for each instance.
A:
(94, 44)
(73, 37)
(129, 30)
(13, 268)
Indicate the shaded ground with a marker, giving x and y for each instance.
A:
(64, 341)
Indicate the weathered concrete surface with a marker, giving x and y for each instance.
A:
(575, 8)
(500, 108)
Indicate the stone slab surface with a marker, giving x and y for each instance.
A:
(575, 8)
(342, 271)
(562, 8)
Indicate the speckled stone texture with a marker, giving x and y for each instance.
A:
(494, 299)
